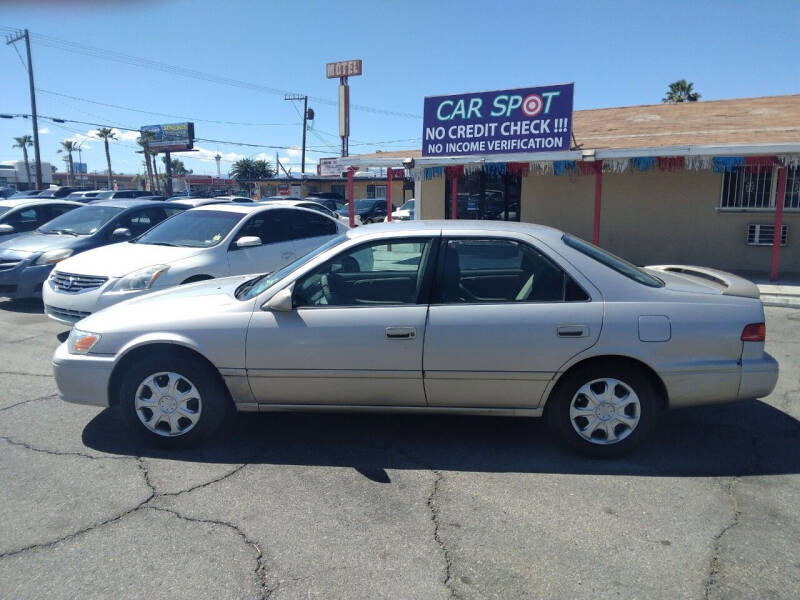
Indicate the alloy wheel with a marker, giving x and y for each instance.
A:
(168, 404)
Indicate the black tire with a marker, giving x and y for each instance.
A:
(634, 379)
(214, 400)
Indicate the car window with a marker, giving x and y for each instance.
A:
(59, 209)
(27, 219)
(85, 220)
(374, 274)
(271, 226)
(307, 225)
(500, 271)
(137, 221)
(194, 229)
(614, 262)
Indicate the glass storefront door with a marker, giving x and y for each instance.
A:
(486, 197)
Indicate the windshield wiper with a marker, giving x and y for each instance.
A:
(156, 243)
(248, 285)
(60, 231)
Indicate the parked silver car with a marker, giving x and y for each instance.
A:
(460, 317)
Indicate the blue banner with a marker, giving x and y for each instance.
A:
(501, 122)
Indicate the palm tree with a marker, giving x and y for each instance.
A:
(153, 155)
(69, 147)
(144, 142)
(177, 166)
(680, 91)
(25, 142)
(106, 133)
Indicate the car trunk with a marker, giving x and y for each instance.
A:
(684, 278)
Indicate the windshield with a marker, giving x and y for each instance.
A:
(253, 288)
(82, 221)
(408, 205)
(193, 229)
(105, 195)
(614, 262)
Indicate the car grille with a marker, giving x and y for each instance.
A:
(8, 265)
(70, 282)
(65, 314)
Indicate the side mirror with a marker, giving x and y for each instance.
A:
(282, 301)
(248, 241)
(6, 228)
(121, 233)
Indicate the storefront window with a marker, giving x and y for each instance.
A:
(485, 197)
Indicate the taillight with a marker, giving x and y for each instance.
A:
(755, 332)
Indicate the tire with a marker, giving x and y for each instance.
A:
(180, 423)
(592, 422)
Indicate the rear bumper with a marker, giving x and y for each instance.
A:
(82, 378)
(24, 281)
(759, 377)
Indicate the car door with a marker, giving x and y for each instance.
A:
(355, 335)
(503, 319)
(274, 228)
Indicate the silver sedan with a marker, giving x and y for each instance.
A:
(451, 316)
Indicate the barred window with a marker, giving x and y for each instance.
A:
(376, 191)
(747, 187)
(764, 235)
(792, 197)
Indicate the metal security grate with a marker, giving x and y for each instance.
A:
(747, 187)
(71, 282)
(792, 198)
(764, 235)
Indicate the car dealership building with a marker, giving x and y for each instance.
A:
(705, 183)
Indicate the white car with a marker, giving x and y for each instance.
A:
(216, 240)
(404, 213)
(311, 205)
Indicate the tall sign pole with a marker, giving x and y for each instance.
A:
(10, 40)
(307, 114)
(342, 70)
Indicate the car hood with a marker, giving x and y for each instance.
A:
(117, 260)
(182, 304)
(31, 243)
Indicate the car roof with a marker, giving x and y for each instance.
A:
(130, 203)
(411, 228)
(247, 208)
(16, 202)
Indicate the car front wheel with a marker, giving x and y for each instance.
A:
(603, 410)
(173, 401)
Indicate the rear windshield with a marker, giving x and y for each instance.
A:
(82, 221)
(614, 262)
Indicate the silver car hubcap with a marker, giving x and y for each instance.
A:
(605, 411)
(168, 404)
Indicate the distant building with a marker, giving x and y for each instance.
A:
(20, 175)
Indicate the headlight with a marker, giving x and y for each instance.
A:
(141, 279)
(54, 256)
(80, 342)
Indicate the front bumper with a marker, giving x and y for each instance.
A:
(82, 378)
(71, 307)
(759, 377)
(24, 280)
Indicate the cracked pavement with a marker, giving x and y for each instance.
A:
(370, 506)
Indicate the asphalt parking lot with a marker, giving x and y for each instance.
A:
(367, 506)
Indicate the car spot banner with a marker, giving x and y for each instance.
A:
(536, 119)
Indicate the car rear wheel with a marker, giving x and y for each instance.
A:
(174, 401)
(603, 410)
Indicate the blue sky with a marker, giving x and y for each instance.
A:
(620, 53)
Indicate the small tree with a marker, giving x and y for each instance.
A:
(24, 142)
(680, 91)
(69, 147)
(106, 133)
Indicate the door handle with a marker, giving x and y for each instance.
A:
(401, 333)
(572, 331)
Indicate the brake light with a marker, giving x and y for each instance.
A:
(755, 332)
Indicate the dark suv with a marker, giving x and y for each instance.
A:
(371, 210)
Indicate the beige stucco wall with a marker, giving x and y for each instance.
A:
(648, 218)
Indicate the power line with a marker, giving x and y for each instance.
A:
(111, 55)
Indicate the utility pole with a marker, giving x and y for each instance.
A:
(307, 114)
(168, 184)
(10, 39)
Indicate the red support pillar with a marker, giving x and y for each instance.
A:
(350, 200)
(598, 194)
(454, 197)
(389, 194)
(780, 194)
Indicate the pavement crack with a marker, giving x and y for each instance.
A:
(714, 563)
(202, 485)
(28, 446)
(48, 375)
(433, 507)
(50, 397)
(259, 572)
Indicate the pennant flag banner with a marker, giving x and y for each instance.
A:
(725, 164)
(671, 163)
(643, 163)
(563, 167)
